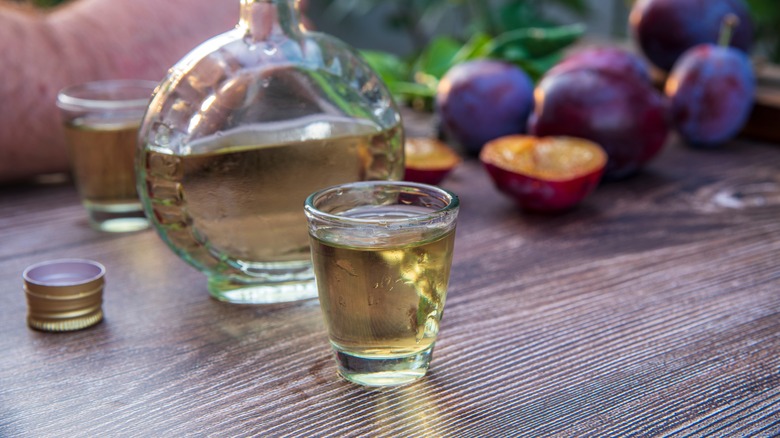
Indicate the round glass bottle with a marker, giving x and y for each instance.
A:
(242, 130)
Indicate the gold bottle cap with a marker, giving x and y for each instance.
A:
(64, 295)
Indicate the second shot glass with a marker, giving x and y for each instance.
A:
(101, 125)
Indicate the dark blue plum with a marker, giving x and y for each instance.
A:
(481, 100)
(625, 116)
(607, 58)
(664, 29)
(711, 92)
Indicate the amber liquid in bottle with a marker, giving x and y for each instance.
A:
(240, 205)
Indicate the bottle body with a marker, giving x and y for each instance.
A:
(239, 133)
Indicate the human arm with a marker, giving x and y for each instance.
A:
(42, 52)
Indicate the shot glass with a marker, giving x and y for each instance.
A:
(382, 253)
(101, 126)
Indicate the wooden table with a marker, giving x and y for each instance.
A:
(653, 309)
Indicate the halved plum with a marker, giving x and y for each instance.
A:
(428, 160)
(547, 174)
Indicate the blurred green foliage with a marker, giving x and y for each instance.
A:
(422, 20)
(766, 14)
(447, 32)
(415, 79)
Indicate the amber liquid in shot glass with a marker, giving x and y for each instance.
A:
(102, 158)
(101, 121)
(382, 274)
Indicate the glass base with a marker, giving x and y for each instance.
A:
(261, 293)
(383, 371)
(116, 217)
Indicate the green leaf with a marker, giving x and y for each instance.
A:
(536, 42)
(476, 47)
(415, 89)
(396, 75)
(390, 67)
(438, 57)
(520, 14)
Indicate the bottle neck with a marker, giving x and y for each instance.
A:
(261, 19)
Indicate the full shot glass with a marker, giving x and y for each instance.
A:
(382, 253)
(101, 121)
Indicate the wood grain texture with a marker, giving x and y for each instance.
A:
(651, 310)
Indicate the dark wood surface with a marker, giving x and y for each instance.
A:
(653, 309)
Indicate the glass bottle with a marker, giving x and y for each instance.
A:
(242, 130)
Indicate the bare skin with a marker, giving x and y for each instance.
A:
(42, 52)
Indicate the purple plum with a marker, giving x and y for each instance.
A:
(481, 100)
(664, 29)
(710, 91)
(624, 115)
(606, 58)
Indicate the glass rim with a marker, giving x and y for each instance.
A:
(453, 203)
(67, 99)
